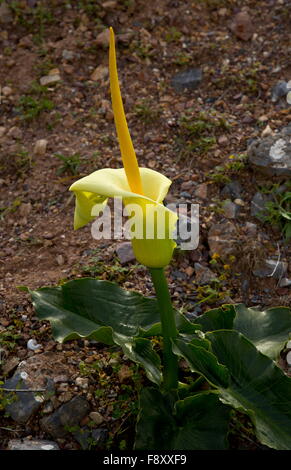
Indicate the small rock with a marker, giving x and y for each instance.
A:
(60, 260)
(258, 205)
(279, 90)
(33, 345)
(100, 73)
(222, 140)
(188, 80)
(232, 189)
(109, 5)
(272, 154)
(251, 229)
(185, 194)
(2, 131)
(125, 253)
(187, 185)
(267, 131)
(189, 271)
(230, 210)
(285, 282)
(68, 55)
(27, 403)
(270, 268)
(90, 438)
(204, 275)
(201, 191)
(5, 13)
(67, 415)
(242, 26)
(222, 239)
(7, 91)
(96, 417)
(50, 79)
(32, 444)
(40, 147)
(124, 373)
(15, 132)
(82, 382)
(288, 358)
(103, 38)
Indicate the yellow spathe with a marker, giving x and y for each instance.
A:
(142, 186)
(125, 143)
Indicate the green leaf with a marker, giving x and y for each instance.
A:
(268, 329)
(199, 422)
(202, 361)
(93, 308)
(218, 318)
(140, 350)
(257, 386)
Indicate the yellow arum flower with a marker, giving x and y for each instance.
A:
(143, 187)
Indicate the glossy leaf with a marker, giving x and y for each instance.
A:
(256, 385)
(199, 422)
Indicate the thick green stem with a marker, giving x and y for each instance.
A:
(169, 330)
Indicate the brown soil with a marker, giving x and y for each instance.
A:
(155, 41)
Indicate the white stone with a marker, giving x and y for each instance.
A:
(33, 345)
(50, 79)
(288, 358)
(276, 151)
(40, 147)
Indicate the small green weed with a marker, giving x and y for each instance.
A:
(71, 163)
(279, 210)
(221, 174)
(30, 108)
(145, 112)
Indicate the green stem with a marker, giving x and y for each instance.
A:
(169, 330)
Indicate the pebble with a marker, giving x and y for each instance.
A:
(288, 358)
(2, 131)
(67, 415)
(258, 205)
(53, 77)
(267, 131)
(279, 90)
(272, 154)
(33, 345)
(82, 382)
(100, 73)
(270, 268)
(222, 239)
(201, 191)
(204, 275)
(27, 403)
(285, 282)
(96, 417)
(125, 253)
(188, 80)
(40, 147)
(103, 38)
(242, 26)
(68, 55)
(185, 194)
(90, 438)
(32, 444)
(230, 209)
(7, 91)
(232, 189)
(15, 132)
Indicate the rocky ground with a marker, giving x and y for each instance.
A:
(205, 90)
